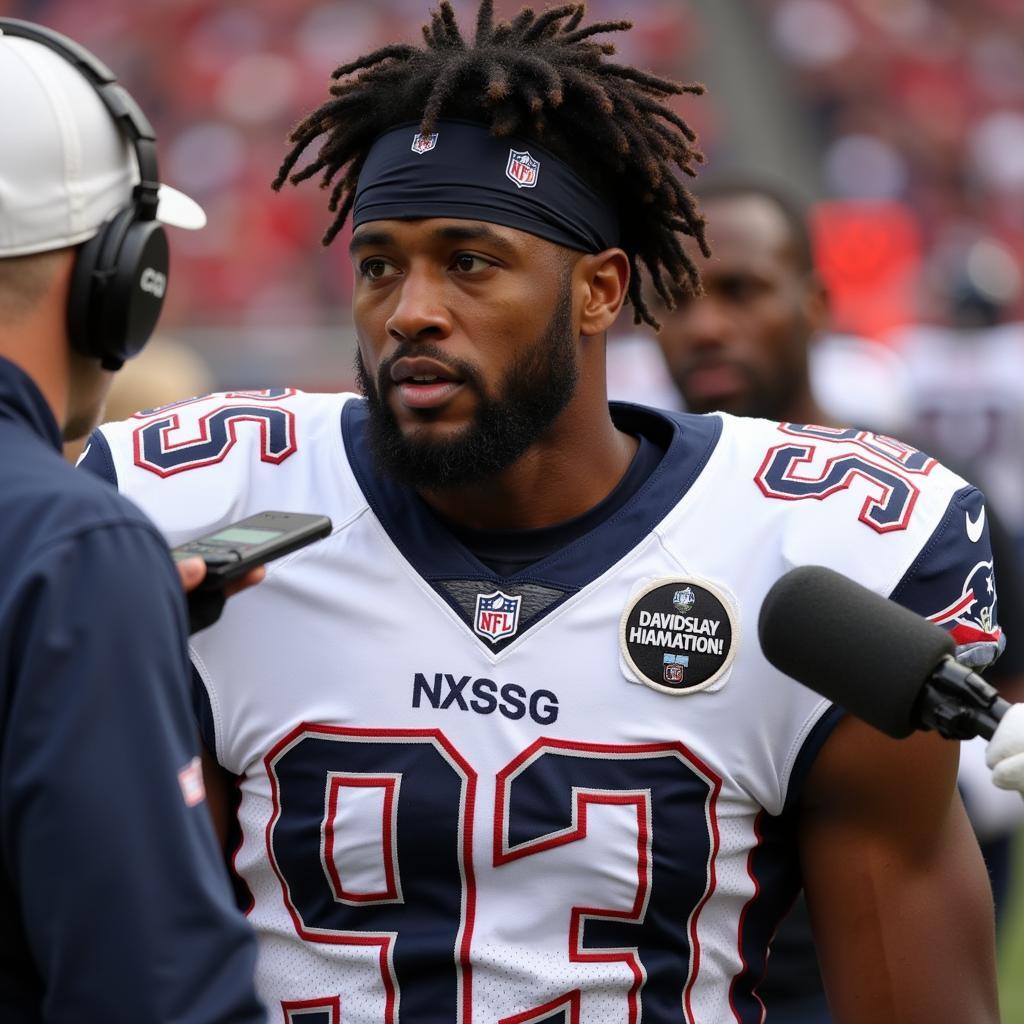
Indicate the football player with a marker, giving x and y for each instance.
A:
(745, 347)
(506, 746)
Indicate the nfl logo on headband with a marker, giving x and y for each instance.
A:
(522, 169)
(476, 177)
(424, 143)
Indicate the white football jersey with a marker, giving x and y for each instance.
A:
(565, 795)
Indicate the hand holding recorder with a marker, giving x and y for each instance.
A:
(231, 558)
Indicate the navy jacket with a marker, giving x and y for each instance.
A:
(114, 901)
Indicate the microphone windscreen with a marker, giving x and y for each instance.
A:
(863, 652)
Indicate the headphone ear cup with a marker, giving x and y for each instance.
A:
(81, 298)
(117, 289)
(134, 295)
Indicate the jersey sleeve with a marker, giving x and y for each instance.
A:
(201, 463)
(106, 838)
(952, 581)
(96, 457)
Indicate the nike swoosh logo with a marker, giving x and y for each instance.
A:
(976, 526)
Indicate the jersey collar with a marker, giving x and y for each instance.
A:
(443, 562)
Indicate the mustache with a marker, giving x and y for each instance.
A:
(467, 372)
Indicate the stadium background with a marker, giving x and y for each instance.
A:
(901, 120)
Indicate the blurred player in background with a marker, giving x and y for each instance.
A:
(762, 345)
(966, 368)
(506, 747)
(114, 906)
(966, 404)
(744, 347)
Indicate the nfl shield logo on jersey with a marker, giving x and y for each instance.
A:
(497, 615)
(522, 169)
(424, 143)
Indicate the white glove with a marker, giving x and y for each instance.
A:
(1005, 754)
(994, 812)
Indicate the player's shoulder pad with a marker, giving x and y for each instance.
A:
(204, 461)
(883, 513)
(859, 502)
(889, 486)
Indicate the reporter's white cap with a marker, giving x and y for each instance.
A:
(65, 166)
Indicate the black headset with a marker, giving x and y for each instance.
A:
(120, 275)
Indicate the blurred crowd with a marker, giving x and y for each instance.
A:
(914, 107)
(223, 84)
(920, 102)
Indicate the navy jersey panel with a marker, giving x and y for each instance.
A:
(113, 901)
(97, 458)
(436, 553)
(202, 710)
(507, 552)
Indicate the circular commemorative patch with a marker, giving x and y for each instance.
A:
(679, 635)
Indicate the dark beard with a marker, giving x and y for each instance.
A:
(534, 392)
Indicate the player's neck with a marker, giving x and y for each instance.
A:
(569, 471)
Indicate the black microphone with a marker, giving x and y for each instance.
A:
(873, 657)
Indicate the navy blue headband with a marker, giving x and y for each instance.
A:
(463, 171)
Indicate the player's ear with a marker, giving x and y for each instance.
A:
(602, 279)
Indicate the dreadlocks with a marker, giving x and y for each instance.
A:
(542, 76)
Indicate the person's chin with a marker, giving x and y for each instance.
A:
(434, 431)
